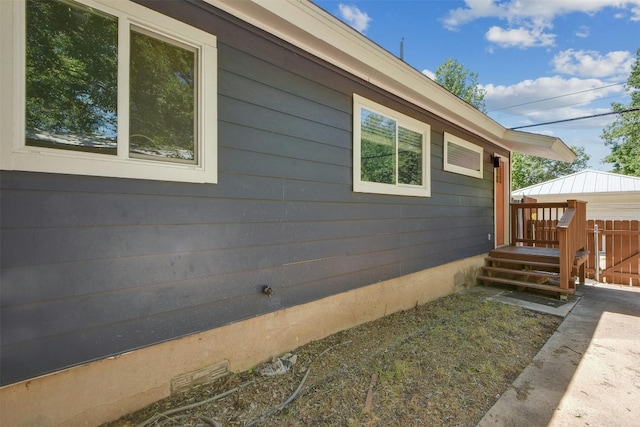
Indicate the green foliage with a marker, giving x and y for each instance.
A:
(530, 170)
(382, 141)
(162, 102)
(378, 162)
(71, 78)
(461, 82)
(623, 135)
(72, 84)
(409, 157)
(378, 148)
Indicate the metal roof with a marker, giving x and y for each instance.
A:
(584, 182)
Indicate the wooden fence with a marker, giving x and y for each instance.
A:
(617, 252)
(618, 245)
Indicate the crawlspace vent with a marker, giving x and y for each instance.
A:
(201, 376)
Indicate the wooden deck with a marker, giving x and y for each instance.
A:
(527, 253)
(552, 261)
(533, 254)
(531, 267)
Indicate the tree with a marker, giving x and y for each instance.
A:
(71, 61)
(162, 98)
(623, 135)
(530, 170)
(72, 85)
(378, 152)
(461, 82)
(525, 170)
(390, 153)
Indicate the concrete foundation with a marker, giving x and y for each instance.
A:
(102, 391)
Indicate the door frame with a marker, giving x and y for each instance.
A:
(502, 204)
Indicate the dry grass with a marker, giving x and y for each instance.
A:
(444, 363)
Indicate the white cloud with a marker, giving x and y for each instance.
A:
(593, 64)
(520, 37)
(582, 32)
(514, 10)
(476, 9)
(527, 19)
(551, 98)
(429, 74)
(353, 16)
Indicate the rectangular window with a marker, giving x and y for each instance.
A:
(110, 89)
(162, 109)
(391, 151)
(71, 80)
(462, 157)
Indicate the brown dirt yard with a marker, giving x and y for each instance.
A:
(444, 363)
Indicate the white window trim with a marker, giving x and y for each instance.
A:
(407, 122)
(468, 145)
(15, 155)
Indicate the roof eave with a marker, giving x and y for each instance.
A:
(303, 24)
(539, 145)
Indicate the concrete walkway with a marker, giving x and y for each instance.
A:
(588, 373)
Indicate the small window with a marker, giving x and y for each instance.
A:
(391, 151)
(462, 157)
(110, 89)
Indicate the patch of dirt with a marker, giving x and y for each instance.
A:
(523, 392)
(444, 363)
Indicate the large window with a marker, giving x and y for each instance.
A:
(390, 151)
(462, 157)
(107, 88)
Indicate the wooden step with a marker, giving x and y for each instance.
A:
(581, 258)
(532, 273)
(526, 253)
(539, 286)
(524, 262)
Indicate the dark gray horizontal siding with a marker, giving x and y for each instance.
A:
(270, 99)
(259, 141)
(93, 267)
(250, 115)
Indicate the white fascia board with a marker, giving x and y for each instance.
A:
(312, 29)
(539, 145)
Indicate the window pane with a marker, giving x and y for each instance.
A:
(462, 156)
(409, 157)
(162, 99)
(378, 148)
(71, 77)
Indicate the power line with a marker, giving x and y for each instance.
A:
(562, 106)
(556, 97)
(578, 118)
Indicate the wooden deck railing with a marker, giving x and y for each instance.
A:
(572, 237)
(552, 225)
(534, 224)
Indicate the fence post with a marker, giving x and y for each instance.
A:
(597, 253)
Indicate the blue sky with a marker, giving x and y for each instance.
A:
(538, 60)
